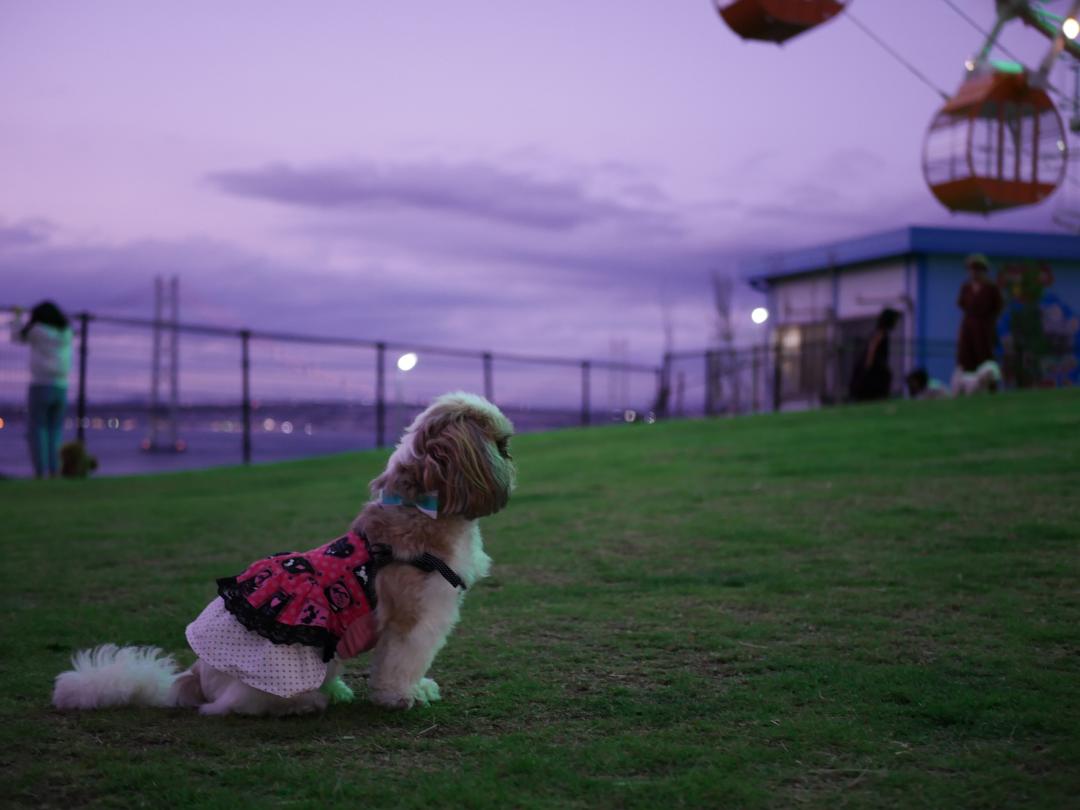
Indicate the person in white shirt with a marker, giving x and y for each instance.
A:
(48, 334)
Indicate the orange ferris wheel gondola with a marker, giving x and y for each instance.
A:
(998, 143)
(776, 20)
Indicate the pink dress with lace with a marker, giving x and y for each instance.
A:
(278, 623)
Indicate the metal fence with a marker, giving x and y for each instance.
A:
(245, 394)
(775, 376)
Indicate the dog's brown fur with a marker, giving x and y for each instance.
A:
(462, 454)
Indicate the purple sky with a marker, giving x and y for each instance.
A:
(529, 177)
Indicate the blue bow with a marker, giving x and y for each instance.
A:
(428, 503)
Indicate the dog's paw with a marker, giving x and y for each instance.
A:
(391, 699)
(215, 709)
(337, 690)
(426, 691)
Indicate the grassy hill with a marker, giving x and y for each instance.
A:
(860, 606)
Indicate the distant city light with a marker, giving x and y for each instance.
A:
(286, 427)
(308, 429)
(407, 361)
(1, 423)
(759, 315)
(629, 415)
(1071, 27)
(269, 424)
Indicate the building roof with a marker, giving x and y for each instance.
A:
(908, 242)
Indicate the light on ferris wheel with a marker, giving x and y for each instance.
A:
(759, 315)
(1070, 27)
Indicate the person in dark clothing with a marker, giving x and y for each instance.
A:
(872, 376)
(981, 302)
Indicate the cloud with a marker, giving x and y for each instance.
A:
(226, 286)
(466, 255)
(484, 192)
(27, 233)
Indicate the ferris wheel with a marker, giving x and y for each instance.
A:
(776, 20)
(999, 141)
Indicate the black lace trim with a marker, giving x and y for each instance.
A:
(265, 625)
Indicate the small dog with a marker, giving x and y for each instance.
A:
(274, 640)
(75, 461)
(987, 377)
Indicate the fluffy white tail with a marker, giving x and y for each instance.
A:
(116, 676)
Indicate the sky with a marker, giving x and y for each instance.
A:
(494, 174)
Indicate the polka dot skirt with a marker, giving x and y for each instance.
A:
(226, 645)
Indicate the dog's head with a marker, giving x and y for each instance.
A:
(458, 447)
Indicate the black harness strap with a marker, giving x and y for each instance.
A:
(427, 563)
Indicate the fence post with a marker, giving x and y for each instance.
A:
(734, 369)
(710, 385)
(489, 381)
(245, 372)
(80, 420)
(663, 393)
(755, 359)
(380, 394)
(586, 406)
(777, 377)
(837, 365)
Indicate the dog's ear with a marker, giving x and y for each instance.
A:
(462, 464)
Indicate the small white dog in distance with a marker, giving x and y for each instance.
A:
(987, 377)
(274, 639)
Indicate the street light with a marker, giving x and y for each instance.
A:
(757, 357)
(405, 363)
(1070, 27)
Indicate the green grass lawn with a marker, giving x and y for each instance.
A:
(873, 606)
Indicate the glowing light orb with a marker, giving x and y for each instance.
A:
(407, 361)
(759, 315)
(1071, 27)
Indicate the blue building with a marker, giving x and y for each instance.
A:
(824, 300)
